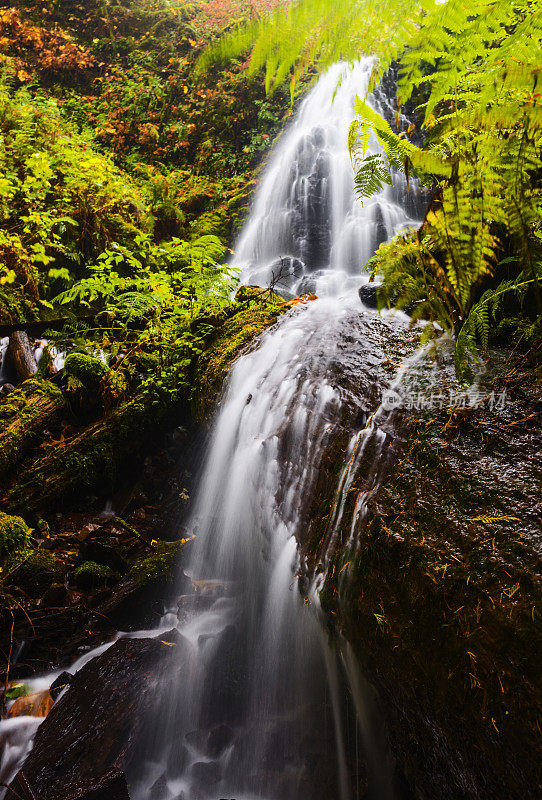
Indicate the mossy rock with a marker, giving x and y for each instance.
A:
(256, 293)
(162, 566)
(14, 535)
(257, 313)
(83, 367)
(90, 576)
(37, 571)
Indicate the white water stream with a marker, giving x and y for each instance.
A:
(265, 676)
(307, 227)
(265, 686)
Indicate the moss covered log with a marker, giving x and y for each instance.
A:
(259, 311)
(24, 417)
(91, 458)
(94, 457)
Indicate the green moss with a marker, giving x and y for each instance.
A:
(92, 457)
(234, 337)
(42, 560)
(94, 576)
(161, 566)
(85, 368)
(8, 410)
(14, 535)
(37, 405)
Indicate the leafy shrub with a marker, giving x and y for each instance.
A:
(61, 202)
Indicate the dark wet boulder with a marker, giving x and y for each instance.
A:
(110, 785)
(368, 294)
(102, 553)
(99, 722)
(59, 684)
(206, 773)
(6, 388)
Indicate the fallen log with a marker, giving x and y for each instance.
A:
(92, 458)
(26, 414)
(37, 328)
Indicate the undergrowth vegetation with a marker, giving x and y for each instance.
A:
(123, 176)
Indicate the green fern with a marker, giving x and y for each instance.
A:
(371, 175)
(474, 334)
(475, 64)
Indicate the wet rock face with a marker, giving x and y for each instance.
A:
(368, 295)
(97, 723)
(110, 785)
(437, 593)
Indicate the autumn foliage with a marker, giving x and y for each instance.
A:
(48, 52)
(219, 15)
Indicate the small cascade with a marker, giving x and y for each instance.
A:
(308, 233)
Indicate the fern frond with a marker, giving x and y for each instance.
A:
(373, 172)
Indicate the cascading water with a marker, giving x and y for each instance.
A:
(307, 230)
(264, 680)
(260, 713)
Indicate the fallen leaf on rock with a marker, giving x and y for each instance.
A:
(37, 704)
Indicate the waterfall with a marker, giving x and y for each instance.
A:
(264, 681)
(263, 712)
(307, 230)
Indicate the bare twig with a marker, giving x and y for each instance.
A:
(9, 661)
(12, 790)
